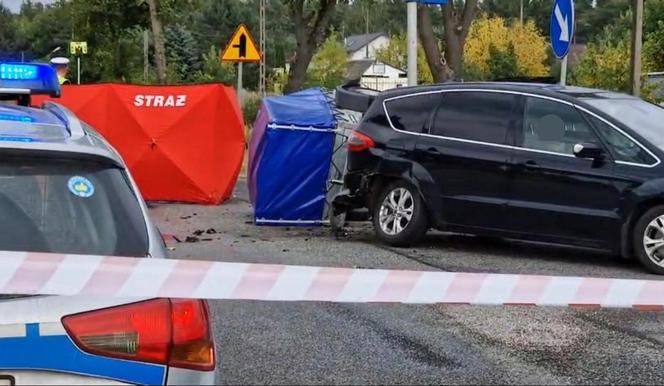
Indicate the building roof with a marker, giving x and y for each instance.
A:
(357, 42)
(356, 68)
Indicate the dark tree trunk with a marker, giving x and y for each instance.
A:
(456, 24)
(311, 30)
(159, 49)
(430, 44)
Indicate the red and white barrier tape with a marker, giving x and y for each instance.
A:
(53, 274)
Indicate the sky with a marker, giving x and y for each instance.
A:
(15, 5)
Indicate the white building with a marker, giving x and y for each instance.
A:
(365, 46)
(362, 62)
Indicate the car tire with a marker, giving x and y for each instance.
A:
(651, 225)
(399, 215)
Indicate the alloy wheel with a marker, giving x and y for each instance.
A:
(653, 240)
(396, 211)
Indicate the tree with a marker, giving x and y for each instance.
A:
(457, 18)
(384, 16)
(528, 46)
(502, 64)
(605, 64)
(184, 59)
(395, 55)
(158, 36)
(7, 31)
(328, 66)
(312, 21)
(653, 31)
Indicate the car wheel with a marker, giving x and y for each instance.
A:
(399, 215)
(648, 239)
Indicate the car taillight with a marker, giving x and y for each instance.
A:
(173, 332)
(360, 142)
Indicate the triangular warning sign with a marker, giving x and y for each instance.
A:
(241, 47)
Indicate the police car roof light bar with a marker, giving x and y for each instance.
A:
(35, 78)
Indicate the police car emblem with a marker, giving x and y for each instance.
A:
(81, 187)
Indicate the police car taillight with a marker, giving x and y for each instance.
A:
(169, 332)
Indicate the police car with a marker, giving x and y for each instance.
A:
(64, 189)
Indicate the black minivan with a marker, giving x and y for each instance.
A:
(530, 161)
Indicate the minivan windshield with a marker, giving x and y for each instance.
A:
(644, 118)
(69, 206)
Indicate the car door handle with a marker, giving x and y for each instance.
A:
(531, 165)
(433, 151)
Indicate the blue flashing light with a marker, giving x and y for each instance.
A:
(18, 71)
(15, 118)
(5, 138)
(39, 78)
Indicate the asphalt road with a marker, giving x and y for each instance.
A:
(318, 343)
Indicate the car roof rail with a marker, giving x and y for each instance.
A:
(529, 79)
(70, 119)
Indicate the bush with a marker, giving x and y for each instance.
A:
(252, 104)
(492, 44)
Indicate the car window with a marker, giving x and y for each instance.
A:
(61, 206)
(411, 113)
(622, 148)
(476, 116)
(644, 118)
(553, 126)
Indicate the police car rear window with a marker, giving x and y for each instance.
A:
(66, 206)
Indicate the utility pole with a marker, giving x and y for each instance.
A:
(412, 42)
(637, 44)
(366, 24)
(261, 67)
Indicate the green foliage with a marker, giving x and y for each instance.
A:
(520, 43)
(589, 20)
(395, 55)
(328, 66)
(605, 64)
(502, 64)
(7, 32)
(472, 71)
(250, 109)
(213, 70)
(653, 31)
(384, 15)
(184, 59)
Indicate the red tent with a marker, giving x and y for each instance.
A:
(181, 143)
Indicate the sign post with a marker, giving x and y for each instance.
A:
(562, 32)
(77, 49)
(411, 36)
(412, 42)
(241, 48)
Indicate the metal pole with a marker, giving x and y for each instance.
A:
(239, 83)
(563, 71)
(412, 42)
(521, 13)
(78, 68)
(637, 44)
(262, 65)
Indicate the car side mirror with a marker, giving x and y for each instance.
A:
(588, 150)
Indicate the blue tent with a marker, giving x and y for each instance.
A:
(289, 158)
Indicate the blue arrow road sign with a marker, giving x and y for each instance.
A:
(562, 27)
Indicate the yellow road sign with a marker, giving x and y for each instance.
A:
(241, 47)
(78, 48)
